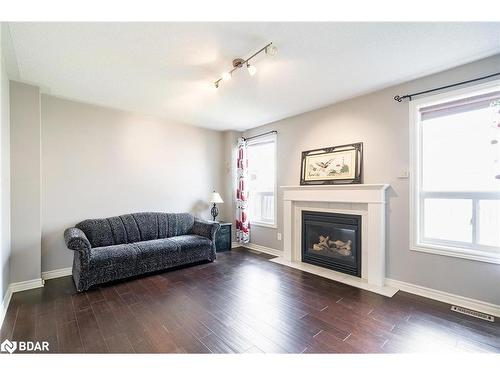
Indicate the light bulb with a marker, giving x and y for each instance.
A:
(251, 69)
(226, 76)
(272, 50)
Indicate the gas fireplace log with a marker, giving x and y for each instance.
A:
(338, 246)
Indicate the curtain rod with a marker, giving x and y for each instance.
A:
(260, 135)
(409, 96)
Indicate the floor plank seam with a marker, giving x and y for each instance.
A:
(14, 325)
(385, 342)
(318, 333)
(98, 325)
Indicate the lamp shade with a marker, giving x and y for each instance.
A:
(216, 198)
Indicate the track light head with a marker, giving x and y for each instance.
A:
(226, 76)
(251, 69)
(271, 50)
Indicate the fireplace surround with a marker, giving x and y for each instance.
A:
(366, 200)
(332, 240)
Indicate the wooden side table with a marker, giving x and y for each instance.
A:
(223, 238)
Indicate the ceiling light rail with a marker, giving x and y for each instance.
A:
(270, 50)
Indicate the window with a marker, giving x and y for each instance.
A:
(455, 176)
(261, 154)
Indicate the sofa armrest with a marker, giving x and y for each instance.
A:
(206, 229)
(76, 240)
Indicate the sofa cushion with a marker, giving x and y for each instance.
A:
(118, 230)
(156, 254)
(194, 248)
(167, 252)
(191, 241)
(97, 231)
(179, 224)
(162, 225)
(118, 257)
(147, 223)
(131, 228)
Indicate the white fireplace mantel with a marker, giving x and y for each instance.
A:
(367, 200)
(355, 193)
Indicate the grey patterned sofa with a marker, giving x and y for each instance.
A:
(130, 245)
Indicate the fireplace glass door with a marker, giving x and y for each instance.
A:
(332, 240)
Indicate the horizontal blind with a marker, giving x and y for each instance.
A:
(459, 106)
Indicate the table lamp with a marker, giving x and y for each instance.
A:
(216, 198)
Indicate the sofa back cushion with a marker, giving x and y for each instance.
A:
(98, 232)
(179, 224)
(143, 226)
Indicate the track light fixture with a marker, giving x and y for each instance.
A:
(269, 49)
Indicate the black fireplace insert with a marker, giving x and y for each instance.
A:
(332, 240)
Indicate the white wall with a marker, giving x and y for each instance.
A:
(100, 162)
(382, 125)
(5, 177)
(25, 167)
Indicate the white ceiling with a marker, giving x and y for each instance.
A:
(165, 69)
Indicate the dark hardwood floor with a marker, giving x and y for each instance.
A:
(242, 303)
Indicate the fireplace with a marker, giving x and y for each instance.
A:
(332, 240)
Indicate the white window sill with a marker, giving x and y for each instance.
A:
(477, 255)
(262, 224)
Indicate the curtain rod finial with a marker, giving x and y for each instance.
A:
(399, 99)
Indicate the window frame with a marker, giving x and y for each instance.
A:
(266, 138)
(418, 242)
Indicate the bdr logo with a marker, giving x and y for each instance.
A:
(24, 346)
(8, 346)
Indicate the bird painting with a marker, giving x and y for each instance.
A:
(324, 165)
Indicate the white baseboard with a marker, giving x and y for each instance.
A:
(453, 299)
(17, 287)
(259, 248)
(61, 272)
(5, 304)
(26, 285)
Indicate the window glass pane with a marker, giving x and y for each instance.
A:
(459, 176)
(261, 181)
(458, 154)
(489, 223)
(448, 219)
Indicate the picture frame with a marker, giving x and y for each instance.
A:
(332, 165)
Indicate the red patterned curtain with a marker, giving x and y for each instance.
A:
(242, 223)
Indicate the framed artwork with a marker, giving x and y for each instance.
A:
(332, 165)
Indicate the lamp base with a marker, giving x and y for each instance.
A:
(214, 211)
